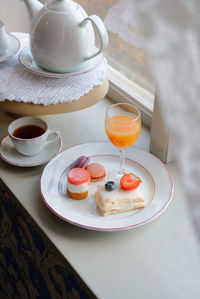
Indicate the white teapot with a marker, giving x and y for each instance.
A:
(62, 37)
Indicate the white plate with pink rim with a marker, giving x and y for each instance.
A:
(10, 155)
(12, 51)
(156, 187)
(27, 61)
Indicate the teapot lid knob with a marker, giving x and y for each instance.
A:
(61, 5)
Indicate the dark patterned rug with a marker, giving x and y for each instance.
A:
(30, 265)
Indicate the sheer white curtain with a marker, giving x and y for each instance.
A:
(171, 31)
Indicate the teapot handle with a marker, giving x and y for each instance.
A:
(101, 29)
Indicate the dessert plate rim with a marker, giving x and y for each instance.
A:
(72, 211)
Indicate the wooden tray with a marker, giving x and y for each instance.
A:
(25, 109)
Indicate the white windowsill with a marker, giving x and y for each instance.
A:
(162, 248)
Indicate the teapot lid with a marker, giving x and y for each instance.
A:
(61, 5)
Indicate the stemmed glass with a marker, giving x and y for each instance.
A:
(122, 125)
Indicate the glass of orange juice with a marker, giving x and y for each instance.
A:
(122, 125)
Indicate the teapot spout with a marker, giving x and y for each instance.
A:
(33, 7)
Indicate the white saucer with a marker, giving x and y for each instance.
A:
(9, 154)
(15, 45)
(26, 60)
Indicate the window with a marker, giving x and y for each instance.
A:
(129, 74)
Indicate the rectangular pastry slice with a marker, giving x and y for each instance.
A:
(118, 200)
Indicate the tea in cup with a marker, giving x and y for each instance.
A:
(4, 39)
(30, 135)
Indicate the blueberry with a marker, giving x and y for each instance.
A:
(110, 186)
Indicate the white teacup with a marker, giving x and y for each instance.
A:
(30, 135)
(4, 39)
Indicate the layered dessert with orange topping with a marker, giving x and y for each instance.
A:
(78, 182)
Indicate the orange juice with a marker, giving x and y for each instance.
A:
(122, 130)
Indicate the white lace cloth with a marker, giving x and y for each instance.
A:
(16, 83)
